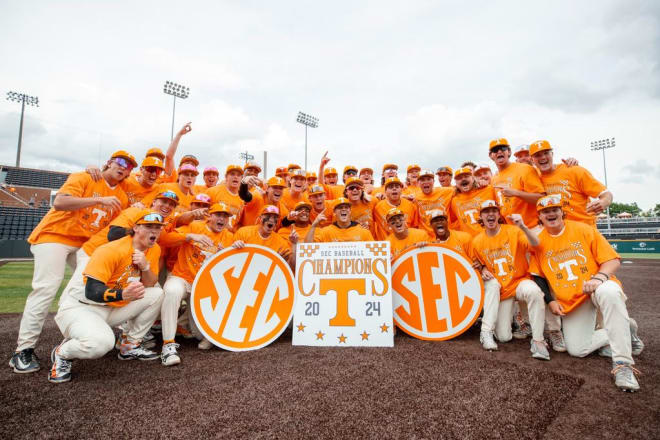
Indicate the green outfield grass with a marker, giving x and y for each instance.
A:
(649, 256)
(16, 282)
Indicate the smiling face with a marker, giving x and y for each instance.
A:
(500, 155)
(444, 179)
(490, 217)
(146, 236)
(390, 172)
(440, 226)
(483, 176)
(211, 179)
(367, 177)
(187, 180)
(233, 180)
(252, 172)
(150, 175)
(393, 192)
(303, 215)
(552, 219)
(268, 223)
(397, 224)
(317, 201)
(523, 157)
(218, 221)
(298, 184)
(163, 206)
(275, 193)
(331, 179)
(343, 214)
(413, 176)
(353, 192)
(464, 182)
(426, 184)
(544, 161)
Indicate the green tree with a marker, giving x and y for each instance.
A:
(656, 210)
(618, 208)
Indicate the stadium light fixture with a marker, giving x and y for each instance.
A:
(602, 145)
(24, 100)
(307, 121)
(177, 91)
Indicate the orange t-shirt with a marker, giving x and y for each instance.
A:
(112, 264)
(202, 189)
(439, 198)
(333, 191)
(134, 190)
(73, 228)
(458, 241)
(569, 259)
(363, 213)
(355, 232)
(220, 193)
(184, 199)
(381, 228)
(328, 213)
(191, 256)
(252, 209)
(464, 209)
(251, 235)
(413, 190)
(126, 219)
(302, 232)
(521, 177)
(289, 200)
(414, 236)
(576, 185)
(505, 256)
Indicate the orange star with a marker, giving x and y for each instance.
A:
(342, 338)
(320, 335)
(301, 327)
(384, 328)
(365, 335)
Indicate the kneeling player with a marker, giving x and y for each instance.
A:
(580, 264)
(502, 249)
(190, 258)
(120, 285)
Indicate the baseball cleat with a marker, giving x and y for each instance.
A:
(129, 351)
(204, 344)
(637, 344)
(182, 331)
(61, 370)
(25, 361)
(557, 341)
(487, 340)
(624, 377)
(539, 350)
(169, 356)
(157, 327)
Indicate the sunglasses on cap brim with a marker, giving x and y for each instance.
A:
(153, 217)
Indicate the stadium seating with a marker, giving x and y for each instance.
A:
(17, 223)
(33, 177)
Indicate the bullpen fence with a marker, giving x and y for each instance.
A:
(636, 247)
(15, 249)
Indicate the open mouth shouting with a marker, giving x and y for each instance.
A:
(465, 182)
(490, 217)
(269, 222)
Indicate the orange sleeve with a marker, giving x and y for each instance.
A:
(153, 257)
(534, 265)
(175, 237)
(531, 181)
(127, 218)
(588, 184)
(522, 239)
(75, 184)
(103, 264)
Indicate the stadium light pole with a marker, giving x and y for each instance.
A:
(177, 91)
(246, 156)
(603, 145)
(307, 121)
(23, 99)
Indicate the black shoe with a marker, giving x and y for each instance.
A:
(61, 369)
(25, 361)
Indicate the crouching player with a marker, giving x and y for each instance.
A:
(190, 258)
(579, 265)
(502, 251)
(120, 285)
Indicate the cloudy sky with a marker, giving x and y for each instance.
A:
(425, 82)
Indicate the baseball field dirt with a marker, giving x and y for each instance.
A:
(417, 389)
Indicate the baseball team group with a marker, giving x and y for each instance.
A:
(135, 238)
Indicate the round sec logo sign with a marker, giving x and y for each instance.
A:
(437, 294)
(242, 299)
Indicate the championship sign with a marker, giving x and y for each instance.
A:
(343, 295)
(242, 299)
(437, 294)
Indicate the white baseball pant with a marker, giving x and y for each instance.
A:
(498, 314)
(50, 260)
(579, 325)
(87, 328)
(175, 290)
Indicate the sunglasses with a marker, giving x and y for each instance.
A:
(351, 173)
(499, 148)
(170, 195)
(153, 217)
(549, 201)
(123, 163)
(152, 170)
(353, 188)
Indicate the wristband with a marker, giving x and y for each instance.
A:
(599, 279)
(607, 277)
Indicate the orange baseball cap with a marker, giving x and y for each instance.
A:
(202, 198)
(521, 149)
(391, 181)
(276, 181)
(234, 167)
(316, 189)
(168, 195)
(482, 166)
(155, 152)
(497, 142)
(152, 161)
(219, 207)
(270, 209)
(488, 204)
(366, 169)
(388, 166)
(423, 173)
(252, 164)
(354, 181)
(126, 155)
(348, 168)
(302, 204)
(413, 167)
(188, 167)
(328, 171)
(549, 201)
(538, 146)
(281, 171)
(189, 158)
(393, 213)
(340, 201)
(293, 166)
(464, 170)
(435, 213)
(297, 172)
(445, 170)
(151, 218)
(311, 175)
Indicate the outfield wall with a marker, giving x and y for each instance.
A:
(636, 247)
(15, 249)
